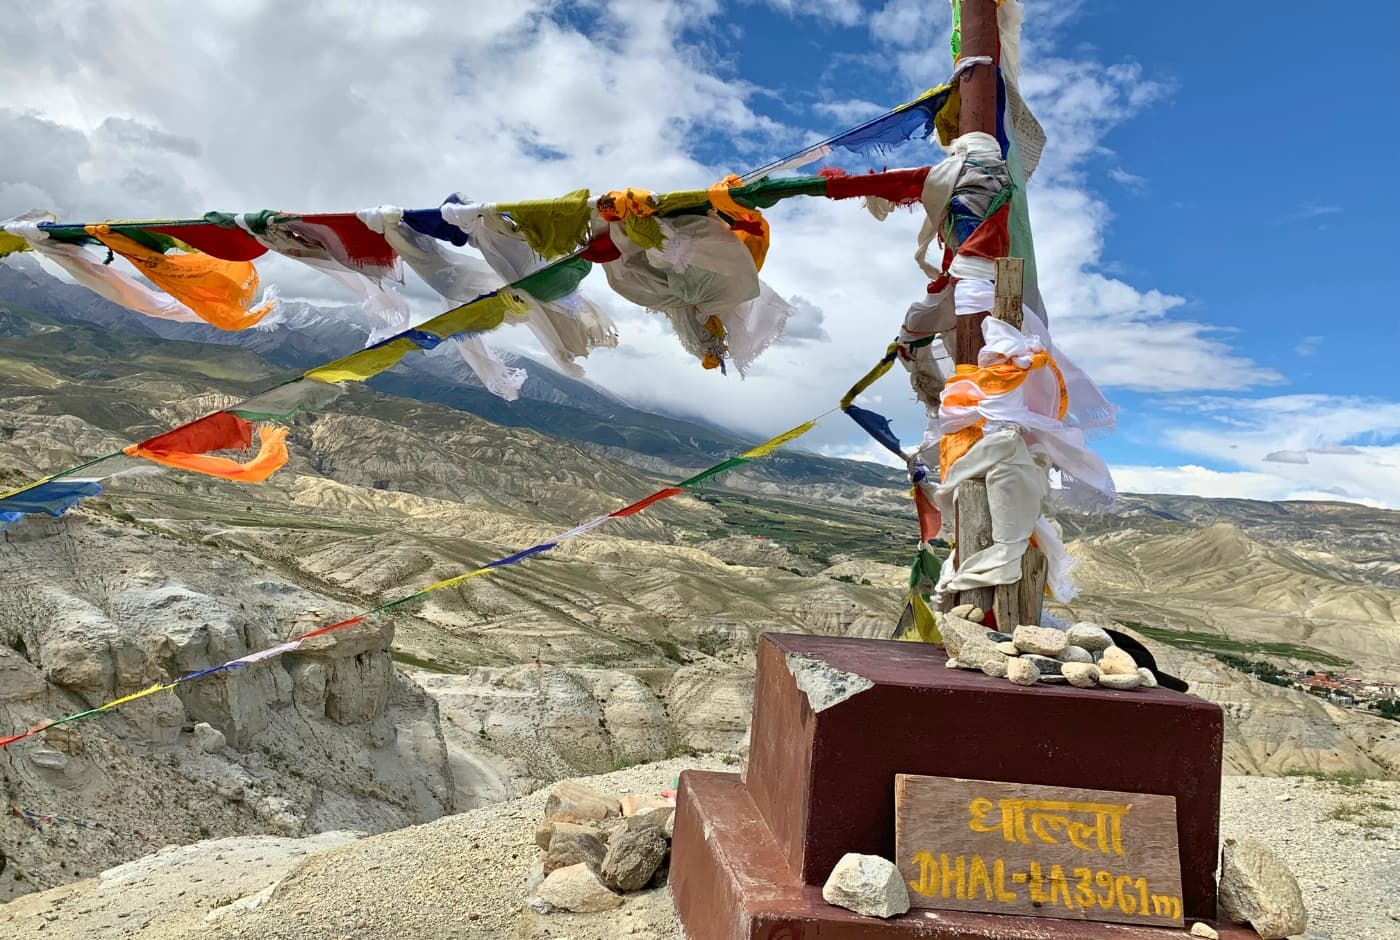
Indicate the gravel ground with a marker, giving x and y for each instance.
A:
(462, 877)
(1342, 842)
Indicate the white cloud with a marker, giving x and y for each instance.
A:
(842, 12)
(1194, 480)
(1308, 345)
(1345, 446)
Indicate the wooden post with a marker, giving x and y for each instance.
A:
(977, 89)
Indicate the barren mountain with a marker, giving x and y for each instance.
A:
(632, 643)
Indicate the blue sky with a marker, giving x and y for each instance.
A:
(1213, 214)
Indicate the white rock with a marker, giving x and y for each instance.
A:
(962, 610)
(1081, 675)
(577, 888)
(1090, 636)
(977, 615)
(1149, 679)
(1076, 654)
(1256, 888)
(635, 804)
(1009, 648)
(1047, 641)
(868, 885)
(1117, 662)
(48, 758)
(207, 738)
(1022, 671)
(573, 802)
(1204, 930)
(1120, 682)
(952, 663)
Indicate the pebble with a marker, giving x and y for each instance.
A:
(1081, 675)
(977, 615)
(1149, 679)
(1008, 648)
(1090, 636)
(1047, 665)
(1022, 671)
(952, 663)
(1076, 654)
(997, 637)
(1117, 662)
(1052, 680)
(995, 668)
(1199, 929)
(962, 610)
(1121, 682)
(1047, 641)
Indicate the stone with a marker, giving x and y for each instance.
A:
(1076, 654)
(573, 845)
(1117, 662)
(958, 632)
(977, 653)
(998, 637)
(1052, 680)
(997, 670)
(952, 663)
(1022, 671)
(48, 758)
(1149, 678)
(543, 832)
(662, 818)
(637, 804)
(1047, 641)
(633, 856)
(1256, 888)
(962, 610)
(977, 615)
(1089, 636)
(207, 738)
(1008, 648)
(867, 884)
(577, 888)
(1123, 683)
(535, 878)
(573, 802)
(1199, 929)
(1081, 675)
(1046, 665)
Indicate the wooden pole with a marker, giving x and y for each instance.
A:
(977, 89)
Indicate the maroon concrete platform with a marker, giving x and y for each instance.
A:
(823, 781)
(749, 857)
(731, 881)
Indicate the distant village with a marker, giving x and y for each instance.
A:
(1370, 694)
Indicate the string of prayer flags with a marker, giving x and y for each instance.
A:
(755, 453)
(37, 821)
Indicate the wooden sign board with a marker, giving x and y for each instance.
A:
(1012, 848)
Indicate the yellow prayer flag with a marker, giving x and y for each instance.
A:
(359, 366)
(767, 447)
(478, 316)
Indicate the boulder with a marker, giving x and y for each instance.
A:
(868, 885)
(573, 802)
(1256, 888)
(637, 804)
(207, 738)
(578, 889)
(634, 854)
(570, 844)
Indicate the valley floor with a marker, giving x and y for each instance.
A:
(463, 876)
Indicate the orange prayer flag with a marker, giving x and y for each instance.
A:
(219, 292)
(272, 454)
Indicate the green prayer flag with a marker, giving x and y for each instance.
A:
(717, 469)
(556, 280)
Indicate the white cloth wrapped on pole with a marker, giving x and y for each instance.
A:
(567, 328)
